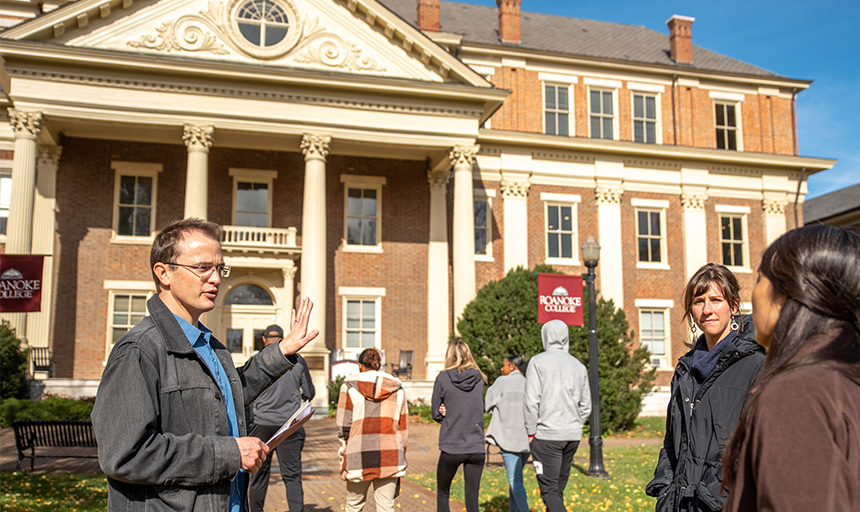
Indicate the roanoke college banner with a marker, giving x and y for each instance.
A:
(560, 298)
(20, 283)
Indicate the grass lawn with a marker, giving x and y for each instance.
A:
(25, 492)
(629, 467)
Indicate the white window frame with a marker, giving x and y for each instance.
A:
(735, 100)
(658, 135)
(735, 211)
(114, 288)
(570, 123)
(252, 176)
(610, 86)
(658, 306)
(652, 205)
(352, 293)
(572, 200)
(145, 169)
(6, 174)
(363, 182)
(486, 196)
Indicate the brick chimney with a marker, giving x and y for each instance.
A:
(428, 15)
(681, 38)
(509, 20)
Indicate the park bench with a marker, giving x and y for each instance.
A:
(32, 434)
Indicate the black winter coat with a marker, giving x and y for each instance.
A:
(689, 471)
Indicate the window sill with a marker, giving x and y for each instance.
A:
(132, 240)
(366, 249)
(484, 257)
(652, 266)
(570, 262)
(740, 270)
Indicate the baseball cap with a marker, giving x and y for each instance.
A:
(273, 331)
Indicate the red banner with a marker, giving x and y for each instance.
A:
(560, 298)
(20, 283)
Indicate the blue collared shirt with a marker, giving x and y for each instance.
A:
(200, 340)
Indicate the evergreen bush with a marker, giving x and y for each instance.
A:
(502, 320)
(13, 365)
(51, 408)
(334, 394)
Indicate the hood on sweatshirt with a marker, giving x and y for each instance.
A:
(465, 380)
(555, 335)
(373, 385)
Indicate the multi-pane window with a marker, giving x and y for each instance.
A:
(556, 109)
(5, 200)
(482, 226)
(645, 118)
(361, 216)
(649, 235)
(128, 310)
(252, 204)
(134, 213)
(732, 240)
(652, 332)
(726, 124)
(559, 231)
(361, 323)
(602, 114)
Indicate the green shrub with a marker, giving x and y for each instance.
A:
(333, 394)
(51, 408)
(502, 320)
(13, 365)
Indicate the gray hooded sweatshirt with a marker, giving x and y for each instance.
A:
(558, 398)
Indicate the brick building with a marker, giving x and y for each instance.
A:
(386, 158)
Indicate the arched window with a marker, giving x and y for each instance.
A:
(248, 294)
(263, 23)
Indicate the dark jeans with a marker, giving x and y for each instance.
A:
(473, 465)
(290, 461)
(552, 460)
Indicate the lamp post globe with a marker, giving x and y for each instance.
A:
(590, 252)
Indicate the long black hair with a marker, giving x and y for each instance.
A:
(518, 361)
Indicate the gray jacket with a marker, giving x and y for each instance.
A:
(275, 405)
(504, 399)
(462, 428)
(160, 421)
(558, 399)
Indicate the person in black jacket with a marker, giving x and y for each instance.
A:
(709, 389)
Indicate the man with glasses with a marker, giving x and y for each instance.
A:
(169, 415)
(272, 408)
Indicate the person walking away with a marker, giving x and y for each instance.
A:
(458, 405)
(270, 410)
(507, 428)
(797, 445)
(557, 403)
(372, 428)
(708, 391)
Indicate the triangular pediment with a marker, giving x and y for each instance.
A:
(341, 36)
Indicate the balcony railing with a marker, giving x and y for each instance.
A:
(242, 238)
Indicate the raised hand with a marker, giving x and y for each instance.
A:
(299, 336)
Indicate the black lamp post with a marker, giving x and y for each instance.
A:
(591, 255)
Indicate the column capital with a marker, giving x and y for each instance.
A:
(315, 146)
(26, 125)
(197, 137)
(49, 155)
(607, 195)
(464, 155)
(438, 179)
(774, 206)
(289, 269)
(515, 188)
(693, 201)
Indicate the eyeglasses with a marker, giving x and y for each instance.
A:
(205, 271)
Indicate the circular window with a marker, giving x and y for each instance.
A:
(265, 28)
(248, 294)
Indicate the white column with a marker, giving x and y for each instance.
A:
(198, 139)
(774, 216)
(609, 231)
(438, 326)
(314, 256)
(44, 227)
(516, 217)
(464, 228)
(695, 232)
(287, 295)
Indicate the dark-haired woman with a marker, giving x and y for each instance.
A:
(708, 392)
(507, 429)
(371, 426)
(797, 446)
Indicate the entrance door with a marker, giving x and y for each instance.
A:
(248, 309)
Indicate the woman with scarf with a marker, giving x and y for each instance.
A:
(708, 391)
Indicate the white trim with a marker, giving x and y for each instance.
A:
(148, 286)
(649, 203)
(562, 261)
(562, 79)
(615, 118)
(253, 176)
(574, 242)
(368, 249)
(561, 198)
(363, 180)
(658, 114)
(571, 126)
(639, 87)
(663, 264)
(361, 291)
(730, 208)
(653, 266)
(478, 196)
(725, 96)
(377, 338)
(654, 303)
(484, 192)
(112, 293)
(136, 169)
(483, 70)
(681, 17)
(602, 82)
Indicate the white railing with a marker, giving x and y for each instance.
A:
(271, 239)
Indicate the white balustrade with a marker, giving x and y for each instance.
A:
(258, 239)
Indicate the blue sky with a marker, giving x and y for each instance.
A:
(816, 40)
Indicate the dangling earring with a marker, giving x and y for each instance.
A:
(735, 325)
(693, 328)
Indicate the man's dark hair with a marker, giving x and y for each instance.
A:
(165, 247)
